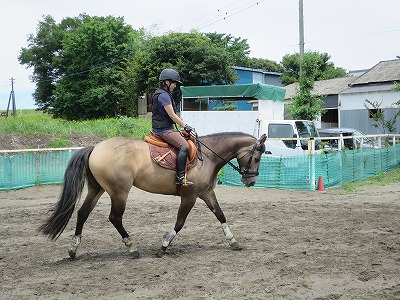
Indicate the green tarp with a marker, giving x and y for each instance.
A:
(254, 91)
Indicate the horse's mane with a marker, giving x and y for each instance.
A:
(217, 136)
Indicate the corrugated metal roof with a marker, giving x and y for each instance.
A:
(369, 88)
(323, 87)
(383, 72)
(263, 71)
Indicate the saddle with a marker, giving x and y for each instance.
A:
(165, 155)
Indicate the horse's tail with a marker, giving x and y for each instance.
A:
(74, 181)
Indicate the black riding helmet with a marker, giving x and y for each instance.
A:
(170, 74)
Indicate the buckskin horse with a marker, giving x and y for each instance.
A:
(117, 164)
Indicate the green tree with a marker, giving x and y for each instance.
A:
(324, 68)
(77, 69)
(385, 125)
(44, 56)
(239, 51)
(305, 105)
(237, 48)
(195, 57)
(262, 63)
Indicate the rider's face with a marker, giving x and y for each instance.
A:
(173, 85)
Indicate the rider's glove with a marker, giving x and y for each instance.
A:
(187, 128)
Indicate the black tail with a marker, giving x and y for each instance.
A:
(74, 181)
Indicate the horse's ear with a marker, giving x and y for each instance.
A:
(262, 139)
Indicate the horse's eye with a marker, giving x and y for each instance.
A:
(256, 160)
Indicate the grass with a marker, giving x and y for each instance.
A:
(36, 123)
(378, 180)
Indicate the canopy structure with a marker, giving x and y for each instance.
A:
(245, 91)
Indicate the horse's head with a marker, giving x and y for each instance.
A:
(249, 162)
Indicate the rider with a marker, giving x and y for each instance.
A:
(164, 117)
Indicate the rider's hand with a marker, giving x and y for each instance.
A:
(187, 128)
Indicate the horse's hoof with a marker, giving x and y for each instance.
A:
(72, 254)
(235, 246)
(134, 254)
(160, 253)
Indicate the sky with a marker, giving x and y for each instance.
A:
(357, 34)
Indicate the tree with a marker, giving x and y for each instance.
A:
(237, 48)
(262, 63)
(304, 105)
(385, 125)
(239, 51)
(324, 68)
(44, 56)
(77, 66)
(195, 57)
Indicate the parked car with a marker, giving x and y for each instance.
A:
(348, 143)
(292, 131)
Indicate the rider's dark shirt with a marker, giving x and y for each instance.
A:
(161, 122)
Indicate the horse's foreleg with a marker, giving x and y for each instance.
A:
(183, 211)
(94, 193)
(211, 200)
(118, 204)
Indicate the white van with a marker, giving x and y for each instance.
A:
(298, 134)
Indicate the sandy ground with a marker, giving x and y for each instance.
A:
(297, 245)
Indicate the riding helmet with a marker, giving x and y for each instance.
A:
(170, 74)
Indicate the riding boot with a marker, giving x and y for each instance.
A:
(181, 166)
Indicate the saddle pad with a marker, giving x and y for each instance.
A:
(166, 157)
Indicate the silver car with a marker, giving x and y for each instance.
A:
(356, 142)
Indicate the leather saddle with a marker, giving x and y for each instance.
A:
(165, 155)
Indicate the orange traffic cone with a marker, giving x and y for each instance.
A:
(321, 185)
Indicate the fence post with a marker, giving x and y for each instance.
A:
(7, 172)
(37, 168)
(311, 163)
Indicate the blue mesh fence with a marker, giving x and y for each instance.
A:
(24, 169)
(19, 170)
(303, 172)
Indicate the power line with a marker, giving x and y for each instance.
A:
(218, 11)
(354, 36)
(228, 14)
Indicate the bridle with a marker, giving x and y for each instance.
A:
(246, 173)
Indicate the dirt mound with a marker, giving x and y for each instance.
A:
(13, 141)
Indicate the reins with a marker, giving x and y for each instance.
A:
(223, 159)
(245, 173)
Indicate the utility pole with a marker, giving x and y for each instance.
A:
(11, 100)
(301, 34)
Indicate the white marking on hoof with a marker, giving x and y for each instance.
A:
(228, 233)
(127, 241)
(76, 241)
(168, 237)
(133, 251)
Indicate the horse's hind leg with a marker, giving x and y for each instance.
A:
(118, 205)
(93, 195)
(211, 200)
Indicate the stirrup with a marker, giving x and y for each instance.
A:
(182, 180)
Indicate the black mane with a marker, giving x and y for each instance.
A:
(219, 135)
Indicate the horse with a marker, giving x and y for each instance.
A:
(116, 164)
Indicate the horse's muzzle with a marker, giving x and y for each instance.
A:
(248, 182)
